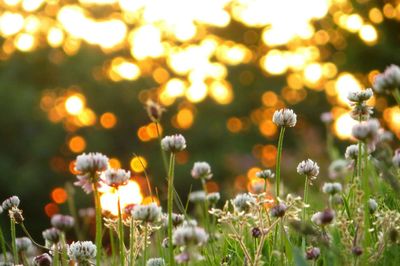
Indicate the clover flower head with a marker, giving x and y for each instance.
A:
(361, 111)
(201, 170)
(91, 163)
(189, 235)
(147, 213)
(213, 197)
(265, 174)
(312, 253)
(332, 188)
(372, 205)
(338, 169)
(62, 222)
(243, 202)
(82, 251)
(308, 168)
(323, 218)
(173, 143)
(360, 96)
(155, 262)
(177, 219)
(43, 260)
(116, 177)
(11, 202)
(387, 81)
(154, 110)
(351, 152)
(85, 182)
(395, 159)
(279, 210)
(284, 118)
(52, 235)
(23, 243)
(366, 130)
(197, 196)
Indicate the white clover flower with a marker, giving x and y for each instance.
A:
(91, 163)
(388, 81)
(213, 197)
(372, 205)
(351, 152)
(82, 251)
(174, 143)
(338, 169)
(155, 262)
(23, 243)
(147, 213)
(243, 202)
(361, 111)
(284, 118)
(197, 196)
(395, 160)
(384, 136)
(366, 130)
(201, 170)
(11, 202)
(116, 177)
(154, 110)
(177, 219)
(332, 188)
(43, 260)
(85, 182)
(308, 168)
(360, 96)
(62, 222)
(265, 174)
(51, 235)
(188, 235)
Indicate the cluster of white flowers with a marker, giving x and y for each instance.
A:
(360, 96)
(243, 202)
(284, 118)
(174, 143)
(201, 170)
(82, 251)
(62, 222)
(387, 81)
(116, 177)
(367, 130)
(150, 213)
(88, 166)
(11, 202)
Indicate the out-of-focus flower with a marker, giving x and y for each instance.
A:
(154, 110)
(360, 96)
(62, 222)
(213, 197)
(312, 253)
(351, 152)
(197, 196)
(91, 163)
(256, 232)
(116, 177)
(387, 81)
(327, 117)
(372, 205)
(188, 235)
(52, 235)
(155, 262)
(243, 202)
(284, 118)
(23, 244)
(357, 251)
(177, 219)
(323, 218)
(82, 251)
(332, 188)
(265, 174)
(338, 169)
(10, 202)
(279, 210)
(150, 213)
(201, 170)
(174, 143)
(43, 260)
(361, 111)
(366, 130)
(308, 168)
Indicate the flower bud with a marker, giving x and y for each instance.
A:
(256, 232)
(284, 118)
(43, 260)
(174, 143)
(312, 253)
(10, 203)
(201, 170)
(278, 210)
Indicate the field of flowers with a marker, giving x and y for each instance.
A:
(268, 225)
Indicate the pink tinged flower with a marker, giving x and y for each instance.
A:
(116, 177)
(91, 163)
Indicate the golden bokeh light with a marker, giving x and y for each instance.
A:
(108, 120)
(343, 126)
(77, 144)
(75, 104)
(138, 164)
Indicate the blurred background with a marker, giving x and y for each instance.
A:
(75, 75)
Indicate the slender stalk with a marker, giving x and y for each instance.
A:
(64, 256)
(112, 242)
(72, 210)
(3, 245)
(163, 155)
(170, 206)
(131, 243)
(13, 243)
(23, 258)
(278, 160)
(98, 223)
(121, 234)
(56, 261)
(145, 245)
(30, 237)
(306, 184)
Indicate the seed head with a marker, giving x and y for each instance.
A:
(82, 251)
(16, 215)
(116, 177)
(243, 202)
(174, 143)
(265, 174)
(284, 118)
(91, 163)
(62, 222)
(10, 202)
(256, 232)
(201, 170)
(147, 213)
(43, 260)
(155, 262)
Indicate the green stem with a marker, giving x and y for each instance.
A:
(3, 245)
(13, 243)
(98, 223)
(56, 261)
(359, 158)
(303, 238)
(278, 160)
(30, 237)
(72, 210)
(121, 234)
(64, 256)
(131, 243)
(112, 242)
(170, 206)
(163, 155)
(145, 245)
(396, 95)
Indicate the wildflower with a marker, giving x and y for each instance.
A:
(323, 218)
(278, 210)
(256, 232)
(257, 186)
(360, 96)
(351, 152)
(388, 80)
(174, 143)
(116, 177)
(357, 251)
(16, 215)
(265, 174)
(308, 168)
(52, 235)
(43, 260)
(23, 243)
(82, 251)
(326, 117)
(361, 111)
(395, 160)
(177, 219)
(10, 203)
(201, 170)
(62, 222)
(87, 213)
(338, 169)
(312, 253)
(154, 110)
(188, 235)
(91, 163)
(372, 205)
(332, 188)
(147, 213)
(243, 202)
(213, 197)
(384, 136)
(155, 262)
(366, 130)
(284, 118)
(197, 196)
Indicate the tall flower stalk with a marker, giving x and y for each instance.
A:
(278, 161)
(99, 227)
(121, 234)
